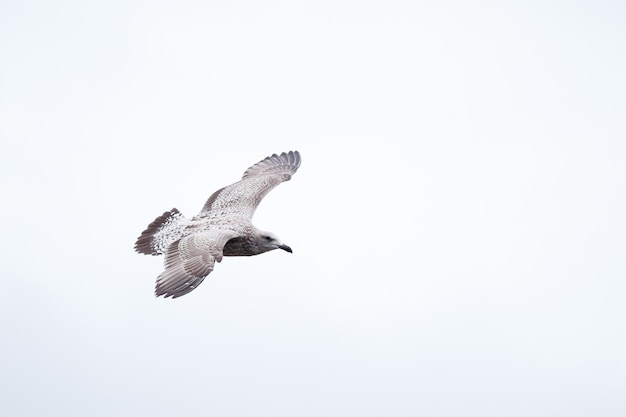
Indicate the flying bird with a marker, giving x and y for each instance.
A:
(223, 228)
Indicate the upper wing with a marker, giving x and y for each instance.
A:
(243, 197)
(189, 260)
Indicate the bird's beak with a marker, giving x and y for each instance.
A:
(286, 248)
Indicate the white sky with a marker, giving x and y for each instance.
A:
(457, 222)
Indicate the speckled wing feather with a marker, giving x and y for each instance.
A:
(240, 200)
(189, 260)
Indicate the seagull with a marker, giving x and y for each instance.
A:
(223, 228)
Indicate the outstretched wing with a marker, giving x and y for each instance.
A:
(243, 197)
(189, 260)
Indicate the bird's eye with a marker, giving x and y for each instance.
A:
(268, 238)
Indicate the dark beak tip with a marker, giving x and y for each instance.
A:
(286, 248)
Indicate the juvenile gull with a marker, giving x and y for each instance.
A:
(223, 228)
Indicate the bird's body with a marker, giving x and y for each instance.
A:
(222, 228)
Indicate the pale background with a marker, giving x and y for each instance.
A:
(457, 222)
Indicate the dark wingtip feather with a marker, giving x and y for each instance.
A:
(285, 163)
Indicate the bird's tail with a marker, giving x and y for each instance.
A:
(164, 230)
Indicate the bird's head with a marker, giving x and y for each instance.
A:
(266, 241)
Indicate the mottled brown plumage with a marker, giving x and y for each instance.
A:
(223, 228)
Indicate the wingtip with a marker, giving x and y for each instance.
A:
(286, 162)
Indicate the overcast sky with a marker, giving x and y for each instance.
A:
(457, 222)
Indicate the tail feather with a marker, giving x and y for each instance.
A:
(164, 230)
